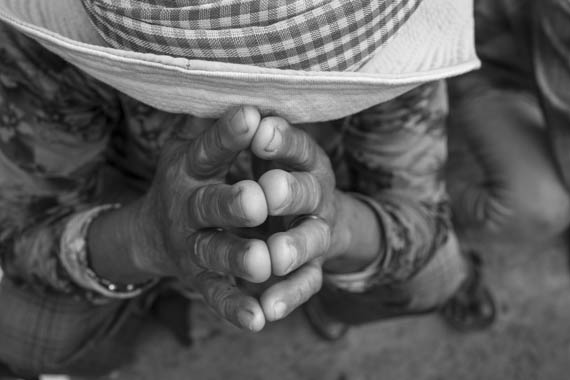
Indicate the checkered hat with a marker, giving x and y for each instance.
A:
(304, 60)
(311, 35)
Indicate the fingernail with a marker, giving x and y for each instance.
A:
(239, 123)
(279, 309)
(245, 318)
(274, 142)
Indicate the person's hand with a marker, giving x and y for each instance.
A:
(303, 184)
(182, 221)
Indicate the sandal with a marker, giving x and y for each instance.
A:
(172, 310)
(324, 325)
(7, 374)
(472, 308)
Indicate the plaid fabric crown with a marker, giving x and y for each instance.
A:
(318, 35)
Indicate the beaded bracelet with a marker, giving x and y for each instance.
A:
(74, 257)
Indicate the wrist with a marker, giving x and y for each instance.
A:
(114, 246)
(356, 236)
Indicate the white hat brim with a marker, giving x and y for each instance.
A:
(437, 42)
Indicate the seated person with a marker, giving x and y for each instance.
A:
(104, 199)
(514, 117)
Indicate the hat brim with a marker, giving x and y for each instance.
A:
(437, 42)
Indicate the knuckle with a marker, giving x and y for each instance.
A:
(208, 156)
(196, 202)
(208, 252)
(198, 161)
(196, 252)
(306, 149)
(224, 301)
(219, 297)
(313, 191)
(239, 258)
(219, 254)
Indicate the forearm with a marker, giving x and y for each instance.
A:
(356, 239)
(397, 153)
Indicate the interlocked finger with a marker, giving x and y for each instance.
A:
(221, 251)
(210, 154)
(230, 302)
(292, 147)
(220, 205)
(287, 295)
(295, 247)
(291, 193)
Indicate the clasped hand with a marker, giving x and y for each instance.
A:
(188, 219)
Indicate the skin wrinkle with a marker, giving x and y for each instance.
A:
(202, 250)
(204, 160)
(305, 154)
(320, 236)
(217, 293)
(305, 193)
(227, 200)
(211, 154)
(307, 284)
(224, 252)
(220, 297)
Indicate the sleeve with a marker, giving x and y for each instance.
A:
(55, 123)
(396, 154)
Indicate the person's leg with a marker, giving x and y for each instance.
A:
(510, 188)
(49, 333)
(551, 59)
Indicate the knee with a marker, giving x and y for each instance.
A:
(43, 333)
(540, 213)
(530, 210)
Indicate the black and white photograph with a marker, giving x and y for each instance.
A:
(284, 189)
